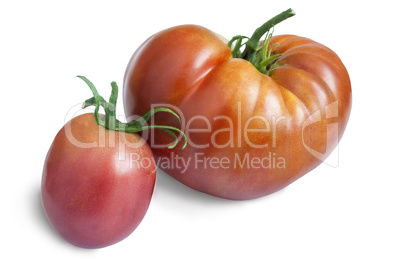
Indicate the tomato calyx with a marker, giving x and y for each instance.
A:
(109, 121)
(256, 52)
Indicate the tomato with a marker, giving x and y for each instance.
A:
(99, 175)
(250, 133)
(97, 184)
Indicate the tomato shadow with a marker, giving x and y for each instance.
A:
(171, 194)
(38, 208)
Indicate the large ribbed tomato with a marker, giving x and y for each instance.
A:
(249, 133)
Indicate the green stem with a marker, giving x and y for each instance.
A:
(264, 65)
(109, 120)
(254, 52)
(254, 42)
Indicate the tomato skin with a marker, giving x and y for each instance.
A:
(191, 68)
(90, 197)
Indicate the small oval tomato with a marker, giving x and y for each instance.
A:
(97, 183)
(255, 120)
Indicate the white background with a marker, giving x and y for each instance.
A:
(343, 216)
